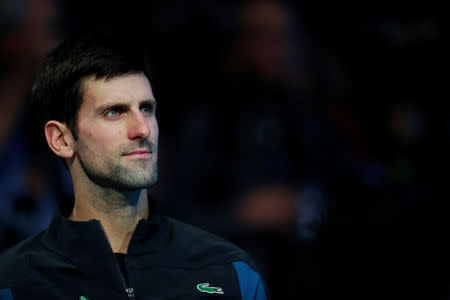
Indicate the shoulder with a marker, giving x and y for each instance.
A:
(203, 246)
(14, 266)
(194, 247)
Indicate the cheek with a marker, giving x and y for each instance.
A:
(155, 129)
(99, 141)
(99, 132)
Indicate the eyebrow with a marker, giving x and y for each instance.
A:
(102, 108)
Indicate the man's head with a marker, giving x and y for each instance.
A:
(98, 109)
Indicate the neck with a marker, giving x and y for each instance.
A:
(118, 212)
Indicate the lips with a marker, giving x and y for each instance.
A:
(138, 153)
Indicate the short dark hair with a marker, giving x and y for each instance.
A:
(57, 89)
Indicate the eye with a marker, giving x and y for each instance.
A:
(147, 108)
(113, 112)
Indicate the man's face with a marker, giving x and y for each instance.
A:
(117, 143)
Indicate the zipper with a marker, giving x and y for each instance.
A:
(128, 291)
(128, 247)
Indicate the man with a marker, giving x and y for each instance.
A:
(110, 243)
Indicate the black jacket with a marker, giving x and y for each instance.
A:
(166, 259)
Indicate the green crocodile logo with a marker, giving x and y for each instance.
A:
(205, 288)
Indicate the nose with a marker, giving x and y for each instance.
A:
(139, 127)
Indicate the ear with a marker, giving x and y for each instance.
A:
(59, 139)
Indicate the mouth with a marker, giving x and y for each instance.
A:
(138, 153)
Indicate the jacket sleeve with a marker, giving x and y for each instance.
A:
(250, 282)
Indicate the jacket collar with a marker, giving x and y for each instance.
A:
(87, 239)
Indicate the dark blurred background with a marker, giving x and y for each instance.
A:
(313, 135)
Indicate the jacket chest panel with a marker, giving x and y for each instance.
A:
(211, 282)
(59, 279)
(62, 280)
(69, 290)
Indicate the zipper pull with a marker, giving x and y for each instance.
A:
(130, 292)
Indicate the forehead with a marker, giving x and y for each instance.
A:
(124, 88)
